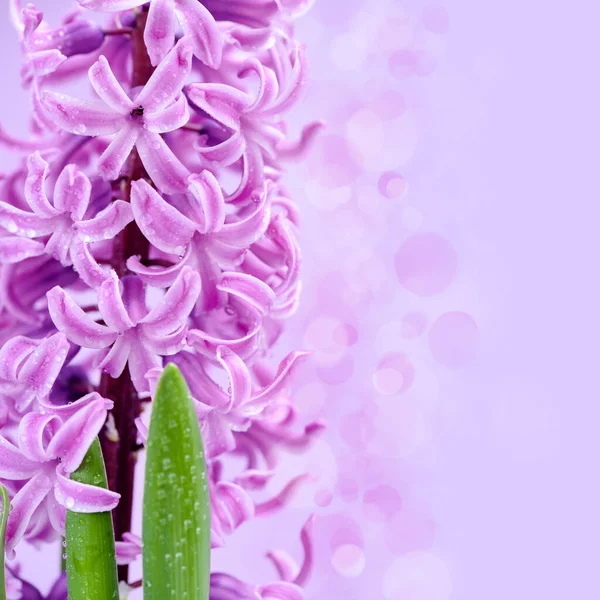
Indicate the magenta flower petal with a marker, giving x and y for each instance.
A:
(35, 194)
(76, 435)
(129, 549)
(197, 22)
(13, 464)
(251, 290)
(110, 304)
(165, 169)
(13, 354)
(160, 29)
(162, 224)
(239, 377)
(23, 223)
(110, 5)
(166, 82)
(66, 411)
(116, 357)
(217, 435)
(72, 192)
(24, 504)
(14, 249)
(33, 432)
(81, 117)
(176, 305)
(280, 591)
(85, 264)
(76, 324)
(209, 208)
(42, 367)
(81, 497)
(249, 229)
(174, 116)
(113, 158)
(226, 153)
(223, 102)
(107, 223)
(157, 276)
(232, 506)
(108, 88)
(141, 360)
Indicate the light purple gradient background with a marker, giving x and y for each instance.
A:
(465, 465)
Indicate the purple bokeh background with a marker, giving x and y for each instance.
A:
(450, 264)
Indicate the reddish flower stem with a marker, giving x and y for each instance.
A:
(119, 444)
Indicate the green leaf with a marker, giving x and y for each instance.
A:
(176, 514)
(91, 562)
(3, 522)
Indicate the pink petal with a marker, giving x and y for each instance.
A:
(13, 464)
(24, 504)
(198, 22)
(45, 62)
(66, 411)
(243, 346)
(240, 384)
(164, 168)
(249, 229)
(217, 435)
(175, 307)
(81, 117)
(13, 354)
(35, 193)
(268, 87)
(226, 153)
(113, 158)
(33, 433)
(165, 345)
(223, 103)
(108, 88)
(116, 358)
(283, 498)
(85, 264)
(233, 506)
(72, 192)
(162, 224)
(252, 174)
(172, 117)
(281, 232)
(291, 94)
(280, 591)
(141, 360)
(76, 324)
(73, 439)
(157, 276)
(82, 498)
(210, 205)
(14, 249)
(110, 304)
(110, 5)
(41, 369)
(107, 223)
(251, 290)
(22, 223)
(287, 150)
(166, 82)
(160, 29)
(129, 549)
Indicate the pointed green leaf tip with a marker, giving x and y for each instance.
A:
(91, 562)
(176, 514)
(3, 522)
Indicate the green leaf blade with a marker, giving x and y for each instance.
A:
(91, 562)
(3, 523)
(176, 511)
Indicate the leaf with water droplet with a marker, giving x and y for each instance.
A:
(176, 516)
(3, 522)
(91, 562)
